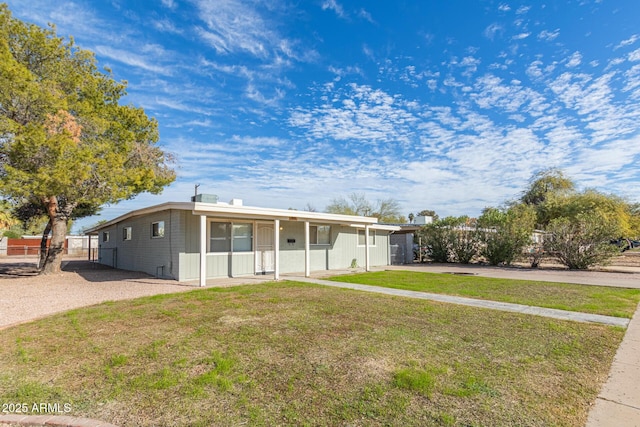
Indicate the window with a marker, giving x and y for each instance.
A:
(372, 238)
(230, 237)
(126, 233)
(220, 239)
(157, 229)
(320, 234)
(105, 236)
(242, 237)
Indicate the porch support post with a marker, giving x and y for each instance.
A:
(276, 249)
(367, 266)
(203, 250)
(307, 258)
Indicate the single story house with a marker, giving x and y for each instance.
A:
(196, 241)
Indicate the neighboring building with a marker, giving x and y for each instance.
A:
(197, 241)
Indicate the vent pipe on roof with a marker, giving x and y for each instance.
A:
(236, 202)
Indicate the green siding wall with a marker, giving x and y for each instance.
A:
(176, 255)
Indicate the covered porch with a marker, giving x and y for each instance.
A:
(240, 240)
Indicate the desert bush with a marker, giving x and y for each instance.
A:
(581, 242)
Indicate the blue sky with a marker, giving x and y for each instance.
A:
(443, 105)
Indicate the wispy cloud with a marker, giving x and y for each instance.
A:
(334, 6)
(166, 26)
(133, 59)
(492, 31)
(627, 42)
(548, 35)
(234, 26)
(362, 13)
(521, 36)
(359, 113)
(574, 60)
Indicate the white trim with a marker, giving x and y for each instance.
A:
(367, 265)
(249, 213)
(276, 249)
(307, 260)
(384, 227)
(203, 250)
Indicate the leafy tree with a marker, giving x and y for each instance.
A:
(582, 241)
(386, 210)
(7, 220)
(465, 240)
(545, 188)
(545, 183)
(452, 239)
(634, 222)
(506, 232)
(65, 141)
(611, 208)
(437, 238)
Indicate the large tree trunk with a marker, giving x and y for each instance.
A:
(58, 219)
(43, 245)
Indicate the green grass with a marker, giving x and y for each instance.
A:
(603, 300)
(288, 353)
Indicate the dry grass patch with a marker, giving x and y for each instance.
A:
(297, 354)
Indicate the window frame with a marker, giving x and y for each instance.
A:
(105, 236)
(160, 230)
(231, 238)
(372, 237)
(235, 238)
(314, 234)
(127, 233)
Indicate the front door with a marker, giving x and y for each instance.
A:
(265, 254)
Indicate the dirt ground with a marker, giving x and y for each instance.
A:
(627, 259)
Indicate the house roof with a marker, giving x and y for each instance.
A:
(224, 210)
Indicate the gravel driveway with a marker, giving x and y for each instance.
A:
(25, 296)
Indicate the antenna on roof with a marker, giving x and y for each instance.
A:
(195, 190)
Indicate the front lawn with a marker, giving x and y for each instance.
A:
(603, 300)
(289, 353)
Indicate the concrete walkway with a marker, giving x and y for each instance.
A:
(618, 404)
(50, 420)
